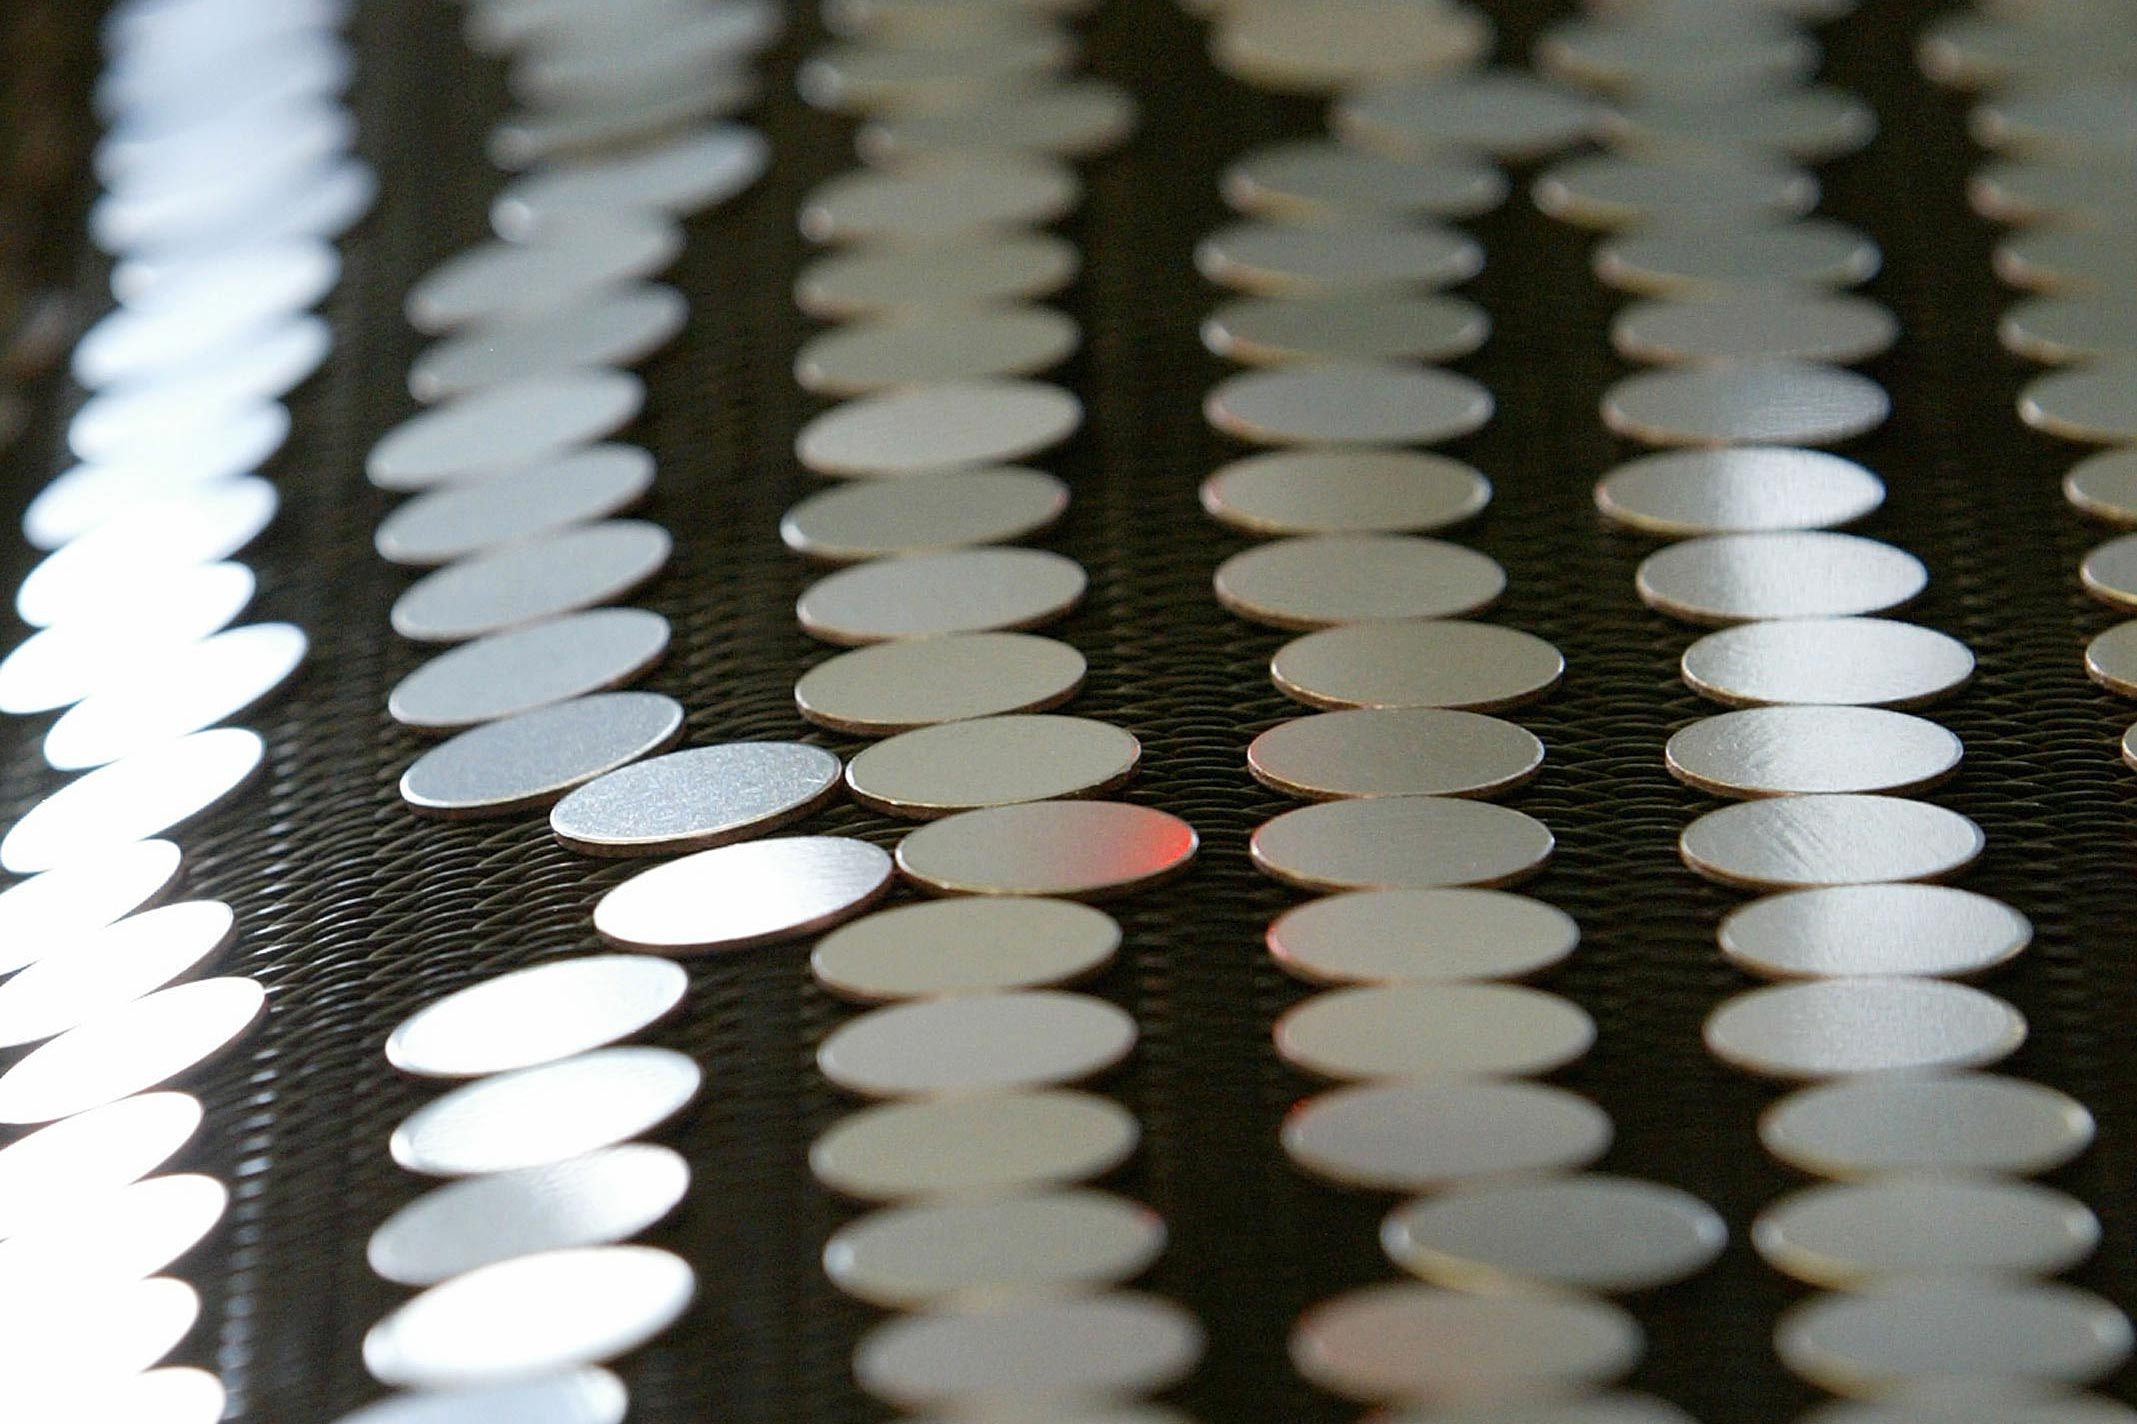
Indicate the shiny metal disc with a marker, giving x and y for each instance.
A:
(502, 427)
(536, 1015)
(146, 794)
(1802, 326)
(964, 591)
(934, 201)
(974, 1144)
(103, 1335)
(112, 967)
(617, 325)
(127, 1235)
(1845, 930)
(2104, 486)
(2077, 195)
(91, 497)
(175, 693)
(2065, 330)
(2087, 117)
(938, 427)
(1400, 843)
(1850, 1235)
(1395, 1342)
(1286, 260)
(1611, 192)
(736, 896)
(922, 514)
(948, 1252)
(1742, 490)
(1859, 661)
(129, 1049)
(223, 404)
(1321, 580)
(1318, 491)
(2097, 404)
(974, 944)
(47, 1174)
(1077, 849)
(583, 1396)
(1507, 113)
(1787, 751)
(680, 174)
(878, 79)
(1381, 1031)
(1726, 54)
(460, 520)
(991, 761)
(535, 1116)
(1417, 663)
(946, 344)
(1807, 125)
(1319, 181)
(56, 909)
(1345, 42)
(606, 1196)
(1764, 402)
(1411, 751)
(1112, 1344)
(538, 578)
(526, 137)
(696, 798)
(976, 1043)
(1348, 403)
(1828, 1028)
(1345, 326)
(1917, 1122)
(1584, 1233)
(508, 279)
(572, 1307)
(1428, 1134)
(1731, 578)
(2111, 659)
(1790, 842)
(1702, 262)
(2061, 260)
(2109, 572)
(1081, 118)
(521, 669)
(880, 281)
(917, 682)
(103, 574)
(1924, 1333)
(1411, 936)
(532, 759)
(175, 1394)
(196, 316)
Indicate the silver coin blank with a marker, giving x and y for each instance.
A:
(974, 1144)
(2082, 195)
(1873, 929)
(1321, 580)
(533, 758)
(146, 794)
(48, 912)
(128, 1235)
(2059, 260)
(104, 573)
(944, 426)
(460, 520)
(1788, 751)
(965, 591)
(2094, 403)
(1742, 490)
(1078, 119)
(976, 1043)
(1506, 113)
(947, 344)
(1801, 326)
(735, 896)
(1075, 849)
(47, 1174)
(1349, 42)
(2111, 659)
(1420, 936)
(537, 1015)
(112, 967)
(1583, 1232)
(535, 1116)
(1318, 181)
(1807, 125)
(1400, 843)
(2104, 486)
(583, 1396)
(1382, 1031)
(605, 1196)
(1734, 578)
(974, 944)
(1412, 751)
(1344, 492)
(2066, 330)
(991, 761)
(1348, 403)
(129, 1049)
(1699, 262)
(679, 174)
(525, 668)
(1417, 663)
(946, 1252)
(1829, 1028)
(931, 202)
(1872, 662)
(1764, 402)
(1949, 1122)
(2109, 572)
(1792, 842)
(1848, 1236)
(1611, 192)
(696, 798)
(896, 686)
(507, 279)
(1377, 326)
(1282, 260)
(610, 326)
(1928, 1333)
(919, 514)
(879, 281)
(539, 578)
(501, 427)
(179, 692)
(1079, 1345)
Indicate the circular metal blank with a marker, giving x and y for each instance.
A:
(938, 427)
(1400, 843)
(919, 514)
(98, 1336)
(696, 798)
(1381, 1031)
(1742, 490)
(976, 1043)
(1584, 1233)
(1411, 936)
(681, 174)
(536, 1015)
(535, 1116)
(972, 1145)
(2104, 486)
(1346, 326)
(180, 691)
(1344, 492)
(965, 591)
(944, 1252)
(1287, 260)
(1802, 326)
(1410, 751)
(1920, 1334)
(1396, 1342)
(540, 578)
(1079, 849)
(1320, 580)
(1725, 53)
(618, 325)
(579, 1306)
(938, 200)
(1789, 842)
(509, 279)
(1786, 751)
(1731, 578)
(1926, 1122)
(128, 1235)
(1507, 113)
(146, 794)
(521, 669)
(2089, 117)
(583, 1396)
(1320, 181)
(504, 426)
(129, 1049)
(917, 682)
(1858, 661)
(945, 344)
(991, 761)
(1345, 42)
(2095, 403)
(1700, 262)
(1932, 1409)
(1850, 1235)
(975, 944)
(1762, 402)
(2066, 260)
(2109, 572)
(880, 281)
(736, 896)
(2067, 330)
(533, 758)
(176, 1394)
(877, 79)
(1078, 119)
(2092, 195)
(1099, 1345)
(48, 912)
(46, 1175)
(1844, 930)
(2111, 659)
(1417, 663)
(460, 520)
(1611, 192)
(1807, 125)
(1348, 403)
(112, 967)
(103, 574)
(605, 1196)
(1826, 1028)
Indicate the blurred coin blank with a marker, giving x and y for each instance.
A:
(1098, 1345)
(978, 1143)
(1582, 1232)
(112, 967)
(1426, 1134)
(1769, 401)
(976, 1043)
(869, 519)
(536, 1015)
(520, 583)
(1347, 403)
(133, 798)
(1852, 1235)
(610, 326)
(1925, 1333)
(502, 279)
(1801, 326)
(190, 687)
(1317, 491)
(1825, 1028)
(47, 1173)
(129, 1049)
(534, 1116)
(522, 669)
(1960, 1122)
(895, 686)
(499, 427)
(460, 520)
(978, 1250)
(1846, 930)
(1381, 1031)
(938, 427)
(60, 665)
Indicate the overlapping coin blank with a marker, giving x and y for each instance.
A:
(460, 520)
(1584, 1232)
(1742, 490)
(964, 946)
(945, 1252)
(507, 279)
(696, 799)
(606, 1196)
(972, 1145)
(991, 761)
(880, 281)
(1785, 751)
(1424, 1030)
(1346, 403)
(2111, 659)
(896, 686)
(1392, 1343)
(129, 1235)
(2057, 260)
(1406, 936)
(581, 1396)
(1808, 125)
(1612, 192)
(1417, 663)
(947, 344)
(169, 696)
(1317, 581)
(129, 1049)
(1729, 54)
(1316, 180)
(1316, 491)
(1506, 113)
(146, 794)
(976, 1043)
(1285, 260)
(47, 1174)
(2027, 193)
(1346, 42)
(502, 427)
(1377, 326)
(1077, 119)
(1428, 1134)
(1855, 661)
(1400, 843)
(1851, 1235)
(64, 663)
(1793, 842)
(1926, 1122)
(111, 967)
(617, 325)
(522, 669)
(1799, 326)
(1770, 401)
(2088, 118)
(104, 574)
(1394, 752)
(524, 582)
(101, 1334)
(1828, 1028)
(536, 1015)
(938, 427)
(878, 79)
(535, 1116)
(1115, 1344)
(1703, 262)
(735, 896)
(964, 591)
(193, 315)
(931, 202)
(1076, 849)
(53, 910)
(1930, 1334)
(919, 514)
(533, 758)
(571, 1308)
(681, 174)
(1845, 930)
(2094, 403)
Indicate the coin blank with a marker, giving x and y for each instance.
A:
(1507, 113)
(1925, 1333)
(1078, 119)
(1409, 936)
(1427, 1134)
(62, 664)
(1318, 181)
(1702, 262)
(1851, 1235)
(499, 427)
(1400, 843)
(964, 946)
(1789, 842)
(1943, 1122)
(176, 693)
(617, 325)
(127, 1235)
(1770, 401)
(1824, 1028)
(1348, 403)
(1344, 492)
(681, 174)
(582, 1396)
(129, 1049)
(1584, 1232)
(2082, 195)
(1730, 578)
(2104, 486)
(533, 758)
(536, 1015)
(1346, 42)
(534, 1116)
(1417, 663)
(2111, 659)
(146, 794)
(2059, 260)
(935, 201)
(1860, 661)
(47, 1174)
(1412, 751)
(974, 1144)
(935, 1252)
(1279, 259)
(521, 669)
(1380, 326)
(49, 911)
(880, 281)
(1075, 849)
(1382, 1031)
(1785, 751)
(104, 573)
(2067, 330)
(1847, 930)
(1799, 325)
(735, 896)
(919, 514)
(1808, 125)
(938, 427)
(964, 591)
(1611, 192)
(1089, 1345)
(2095, 403)
(896, 686)
(941, 345)
(976, 1043)
(112, 967)
(506, 279)
(991, 761)
(538, 578)
(696, 798)
(1320, 580)
(460, 520)
(1742, 490)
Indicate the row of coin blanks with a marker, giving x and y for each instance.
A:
(215, 268)
(1871, 946)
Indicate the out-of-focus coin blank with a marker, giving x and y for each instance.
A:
(1378, 1031)
(1287, 260)
(2066, 260)
(938, 427)
(173, 1394)
(1348, 403)
(1860, 661)
(1507, 113)
(1808, 125)
(181, 691)
(878, 79)
(964, 591)
(976, 1043)
(1400, 843)
(1826, 1028)
(1803, 326)
(1585, 1232)
(111, 967)
(1922, 1334)
(2111, 659)
(1319, 580)
(504, 426)
(1926, 1122)
(1427, 1134)
(975, 1144)
(1379, 326)
(1318, 181)
(1609, 191)
(1417, 663)
(2109, 572)
(134, 798)
(947, 344)
(128, 1049)
(1080, 1345)
(681, 173)
(696, 798)
(1731, 53)
(127, 1235)
(1345, 42)
(878, 281)
(1844, 930)
(991, 761)
(582, 1396)
(1699, 262)
(915, 682)
(460, 520)
(918, 514)
(1410, 751)
(2104, 486)
(106, 571)
(99, 1334)
(1078, 119)
(508, 279)
(1316, 491)
(2066, 330)
(2096, 403)
(1610, 1408)
(2081, 195)
(539, 578)
(931, 202)
(735, 896)
(535, 757)
(974, 944)
(1785, 751)
(524, 668)
(2091, 117)
(610, 326)
(1846, 1236)
(1770, 401)
(49, 1173)
(1931, 1408)
(536, 1015)
(1791, 842)
(1407, 936)
(1729, 578)
(934, 1252)
(534, 1116)
(51, 911)
(1742, 490)
(1078, 849)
